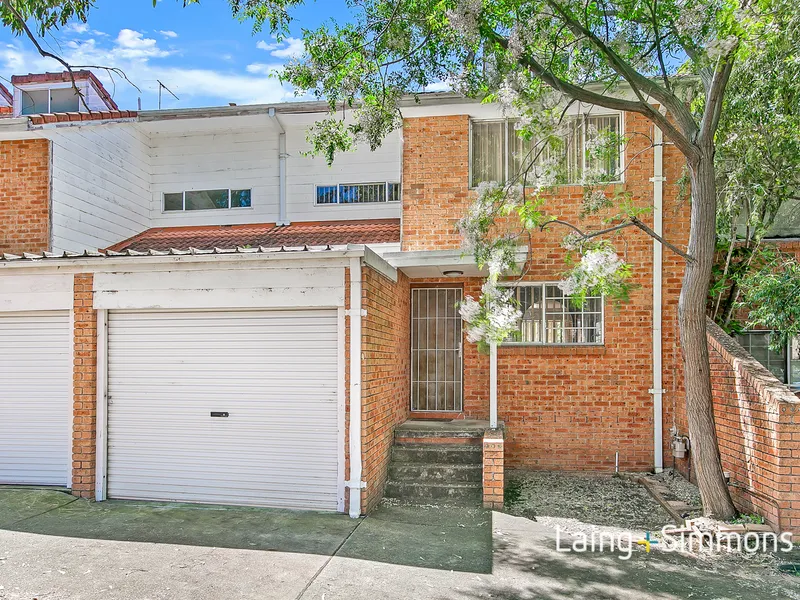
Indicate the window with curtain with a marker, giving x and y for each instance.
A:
(549, 317)
(499, 154)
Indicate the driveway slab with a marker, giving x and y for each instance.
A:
(195, 525)
(17, 504)
(457, 539)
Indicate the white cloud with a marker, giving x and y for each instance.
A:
(141, 61)
(78, 28)
(262, 45)
(168, 33)
(264, 69)
(289, 48)
(133, 44)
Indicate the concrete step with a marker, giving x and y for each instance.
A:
(457, 430)
(435, 473)
(449, 454)
(459, 494)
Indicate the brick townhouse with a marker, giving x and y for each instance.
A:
(260, 328)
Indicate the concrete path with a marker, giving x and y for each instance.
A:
(54, 547)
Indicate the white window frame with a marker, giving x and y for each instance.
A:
(507, 153)
(203, 210)
(22, 89)
(338, 186)
(542, 285)
(787, 348)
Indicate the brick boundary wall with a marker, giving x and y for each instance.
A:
(385, 395)
(84, 427)
(493, 469)
(758, 426)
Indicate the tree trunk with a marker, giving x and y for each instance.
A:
(717, 501)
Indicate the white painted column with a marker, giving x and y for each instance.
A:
(355, 388)
(493, 386)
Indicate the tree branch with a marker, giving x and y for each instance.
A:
(635, 79)
(632, 222)
(715, 95)
(583, 95)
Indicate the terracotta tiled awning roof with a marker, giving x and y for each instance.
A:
(332, 233)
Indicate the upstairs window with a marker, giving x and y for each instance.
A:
(357, 193)
(497, 153)
(207, 200)
(57, 100)
(549, 317)
(784, 364)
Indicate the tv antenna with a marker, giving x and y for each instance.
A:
(161, 86)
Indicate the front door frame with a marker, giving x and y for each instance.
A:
(459, 287)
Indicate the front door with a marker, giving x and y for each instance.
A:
(436, 364)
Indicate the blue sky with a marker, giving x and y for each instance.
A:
(200, 52)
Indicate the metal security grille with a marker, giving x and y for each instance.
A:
(436, 360)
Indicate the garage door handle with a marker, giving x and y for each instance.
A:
(219, 414)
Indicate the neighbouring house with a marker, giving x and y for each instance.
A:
(196, 310)
(6, 102)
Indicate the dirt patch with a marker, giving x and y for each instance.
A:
(680, 487)
(603, 500)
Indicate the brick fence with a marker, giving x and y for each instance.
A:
(758, 425)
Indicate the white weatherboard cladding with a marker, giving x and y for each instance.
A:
(101, 185)
(310, 287)
(35, 398)
(242, 153)
(274, 372)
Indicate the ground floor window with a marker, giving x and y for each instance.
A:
(784, 364)
(550, 317)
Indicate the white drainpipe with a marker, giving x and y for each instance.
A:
(283, 219)
(493, 386)
(658, 252)
(355, 484)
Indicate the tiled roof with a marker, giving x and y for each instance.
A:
(39, 256)
(65, 77)
(333, 233)
(96, 115)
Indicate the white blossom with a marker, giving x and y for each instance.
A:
(596, 266)
(464, 18)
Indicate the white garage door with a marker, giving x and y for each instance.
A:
(236, 407)
(35, 398)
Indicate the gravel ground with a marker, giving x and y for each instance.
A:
(601, 500)
(682, 489)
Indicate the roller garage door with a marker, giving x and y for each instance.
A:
(229, 407)
(35, 398)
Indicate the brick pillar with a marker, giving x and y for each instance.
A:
(84, 377)
(493, 477)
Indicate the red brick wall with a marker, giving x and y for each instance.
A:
(24, 196)
(435, 181)
(563, 407)
(385, 375)
(84, 389)
(758, 425)
(493, 470)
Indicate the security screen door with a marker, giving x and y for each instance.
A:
(436, 363)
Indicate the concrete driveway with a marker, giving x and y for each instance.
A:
(53, 546)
